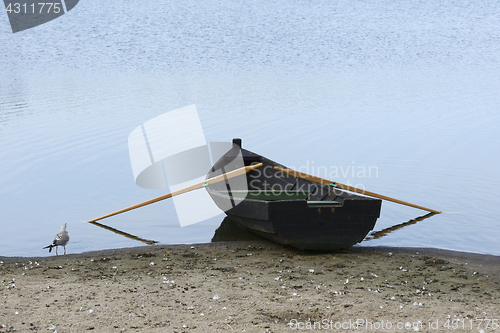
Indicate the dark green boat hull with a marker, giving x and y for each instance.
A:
(326, 219)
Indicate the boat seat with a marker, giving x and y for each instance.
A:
(323, 203)
(269, 195)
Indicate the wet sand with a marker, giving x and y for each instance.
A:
(251, 286)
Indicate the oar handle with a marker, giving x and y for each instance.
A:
(349, 188)
(145, 203)
(213, 180)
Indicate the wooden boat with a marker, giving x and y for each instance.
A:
(290, 210)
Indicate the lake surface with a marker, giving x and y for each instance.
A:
(408, 90)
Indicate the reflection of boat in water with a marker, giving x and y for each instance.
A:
(230, 231)
(384, 232)
(290, 210)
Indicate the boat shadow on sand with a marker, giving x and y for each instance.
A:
(230, 231)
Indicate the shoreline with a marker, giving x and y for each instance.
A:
(471, 256)
(256, 286)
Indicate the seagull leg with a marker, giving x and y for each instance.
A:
(64, 249)
(56, 251)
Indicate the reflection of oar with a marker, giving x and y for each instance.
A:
(349, 188)
(116, 231)
(384, 232)
(231, 174)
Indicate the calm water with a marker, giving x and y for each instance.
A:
(408, 90)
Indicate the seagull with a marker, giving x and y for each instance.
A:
(61, 239)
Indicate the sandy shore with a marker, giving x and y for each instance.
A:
(251, 286)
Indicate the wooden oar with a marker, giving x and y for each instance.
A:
(231, 174)
(349, 188)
